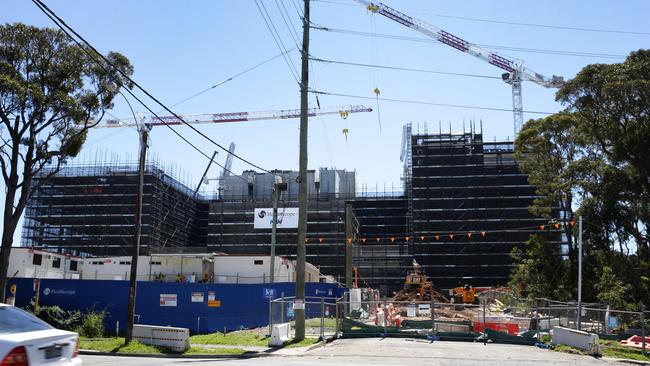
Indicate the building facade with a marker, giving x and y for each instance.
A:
(463, 209)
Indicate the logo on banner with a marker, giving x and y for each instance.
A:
(287, 218)
(269, 293)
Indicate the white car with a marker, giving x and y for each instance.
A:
(25, 340)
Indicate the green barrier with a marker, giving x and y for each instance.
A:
(500, 337)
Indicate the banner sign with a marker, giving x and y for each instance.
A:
(197, 296)
(168, 299)
(287, 218)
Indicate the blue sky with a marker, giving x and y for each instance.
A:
(180, 48)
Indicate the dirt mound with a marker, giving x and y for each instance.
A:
(412, 295)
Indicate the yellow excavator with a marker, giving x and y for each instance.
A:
(416, 280)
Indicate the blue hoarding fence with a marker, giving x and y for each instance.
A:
(201, 307)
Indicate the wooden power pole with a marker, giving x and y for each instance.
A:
(143, 129)
(348, 245)
(299, 303)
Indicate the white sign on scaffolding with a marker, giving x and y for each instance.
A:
(287, 218)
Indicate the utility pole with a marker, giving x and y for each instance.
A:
(579, 317)
(348, 245)
(143, 130)
(302, 176)
(278, 187)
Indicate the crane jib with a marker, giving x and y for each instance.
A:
(501, 62)
(453, 41)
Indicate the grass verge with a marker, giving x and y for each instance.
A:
(116, 345)
(615, 349)
(238, 338)
(609, 349)
(245, 338)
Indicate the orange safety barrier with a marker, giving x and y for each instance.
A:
(510, 328)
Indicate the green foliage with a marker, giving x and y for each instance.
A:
(593, 158)
(57, 317)
(612, 290)
(539, 270)
(51, 93)
(93, 324)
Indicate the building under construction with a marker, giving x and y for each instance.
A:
(464, 207)
(91, 210)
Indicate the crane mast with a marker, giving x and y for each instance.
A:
(515, 70)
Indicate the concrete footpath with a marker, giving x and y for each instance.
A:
(388, 351)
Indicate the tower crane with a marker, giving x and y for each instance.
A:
(144, 125)
(343, 111)
(515, 73)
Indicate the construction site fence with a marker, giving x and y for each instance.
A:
(488, 320)
(320, 314)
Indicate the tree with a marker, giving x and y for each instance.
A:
(547, 149)
(613, 103)
(611, 290)
(539, 270)
(51, 93)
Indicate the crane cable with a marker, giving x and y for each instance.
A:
(375, 57)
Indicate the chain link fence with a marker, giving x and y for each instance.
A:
(320, 315)
(495, 317)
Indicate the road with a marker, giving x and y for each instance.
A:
(379, 352)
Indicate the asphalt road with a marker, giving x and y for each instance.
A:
(379, 352)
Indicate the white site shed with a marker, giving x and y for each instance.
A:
(36, 263)
(199, 267)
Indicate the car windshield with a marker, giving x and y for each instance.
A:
(13, 320)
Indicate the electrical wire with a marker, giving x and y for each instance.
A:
(233, 77)
(425, 103)
(292, 29)
(64, 27)
(278, 41)
(325, 61)
(538, 25)
(493, 47)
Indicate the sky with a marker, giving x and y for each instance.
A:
(181, 48)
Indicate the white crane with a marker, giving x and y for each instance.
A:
(343, 111)
(516, 72)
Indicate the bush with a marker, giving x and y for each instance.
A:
(93, 324)
(57, 317)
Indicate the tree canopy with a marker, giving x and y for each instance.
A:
(51, 93)
(593, 160)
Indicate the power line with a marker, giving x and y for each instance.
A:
(403, 68)
(494, 47)
(537, 25)
(287, 20)
(233, 77)
(426, 103)
(62, 25)
(278, 41)
(524, 24)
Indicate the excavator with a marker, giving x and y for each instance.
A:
(416, 280)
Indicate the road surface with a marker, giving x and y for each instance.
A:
(380, 352)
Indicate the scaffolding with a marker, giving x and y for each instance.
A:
(454, 182)
(90, 210)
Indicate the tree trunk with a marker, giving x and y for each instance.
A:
(9, 227)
